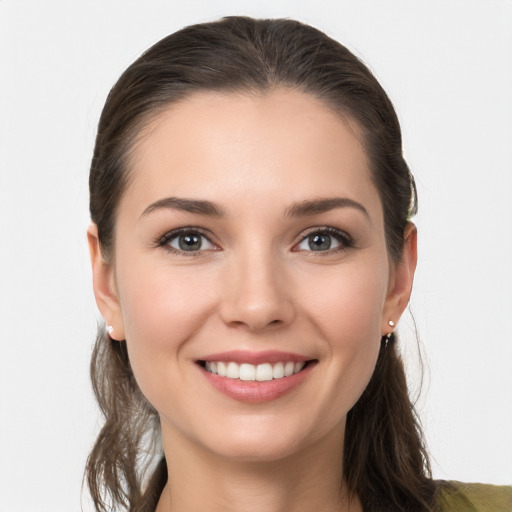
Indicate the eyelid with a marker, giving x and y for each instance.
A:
(163, 240)
(341, 236)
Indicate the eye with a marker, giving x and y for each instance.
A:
(323, 240)
(186, 241)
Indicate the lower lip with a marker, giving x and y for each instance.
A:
(255, 391)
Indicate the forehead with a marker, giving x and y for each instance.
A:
(216, 146)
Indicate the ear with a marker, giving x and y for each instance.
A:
(105, 289)
(400, 281)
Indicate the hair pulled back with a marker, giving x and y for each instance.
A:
(385, 462)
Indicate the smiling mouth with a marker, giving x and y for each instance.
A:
(258, 373)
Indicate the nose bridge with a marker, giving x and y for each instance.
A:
(256, 292)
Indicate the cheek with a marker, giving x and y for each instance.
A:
(165, 306)
(346, 308)
(347, 303)
(162, 309)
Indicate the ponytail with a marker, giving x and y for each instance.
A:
(385, 459)
(126, 445)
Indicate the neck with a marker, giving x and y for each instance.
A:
(309, 480)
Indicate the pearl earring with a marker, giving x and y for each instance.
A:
(109, 329)
(390, 335)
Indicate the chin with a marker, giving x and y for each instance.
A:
(256, 450)
(260, 439)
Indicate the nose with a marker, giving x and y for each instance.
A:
(256, 294)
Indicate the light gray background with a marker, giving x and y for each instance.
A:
(446, 65)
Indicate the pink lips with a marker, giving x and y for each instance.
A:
(255, 391)
(245, 356)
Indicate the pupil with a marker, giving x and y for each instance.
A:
(319, 242)
(190, 242)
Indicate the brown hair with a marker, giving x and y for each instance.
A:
(385, 461)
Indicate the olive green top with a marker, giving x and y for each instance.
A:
(461, 497)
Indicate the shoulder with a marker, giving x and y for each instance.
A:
(462, 497)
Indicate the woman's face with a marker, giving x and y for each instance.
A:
(250, 240)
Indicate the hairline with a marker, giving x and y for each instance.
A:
(145, 125)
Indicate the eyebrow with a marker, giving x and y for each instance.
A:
(316, 206)
(211, 209)
(187, 205)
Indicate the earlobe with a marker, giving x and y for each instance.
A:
(401, 280)
(104, 286)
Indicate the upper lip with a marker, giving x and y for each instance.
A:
(247, 356)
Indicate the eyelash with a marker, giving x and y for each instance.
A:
(164, 240)
(345, 240)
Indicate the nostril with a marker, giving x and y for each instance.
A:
(256, 304)
(255, 325)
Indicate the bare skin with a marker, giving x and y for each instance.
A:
(286, 252)
(294, 483)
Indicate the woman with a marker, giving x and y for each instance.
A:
(252, 253)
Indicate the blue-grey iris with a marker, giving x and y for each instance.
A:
(190, 242)
(319, 242)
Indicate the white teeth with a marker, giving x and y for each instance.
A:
(288, 369)
(247, 372)
(233, 371)
(221, 369)
(250, 372)
(264, 372)
(278, 371)
(298, 366)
